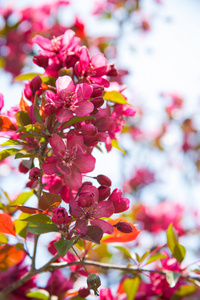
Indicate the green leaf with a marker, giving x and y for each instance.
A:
(116, 145)
(26, 76)
(30, 128)
(63, 246)
(76, 120)
(22, 198)
(22, 118)
(7, 152)
(40, 228)
(20, 227)
(125, 251)
(155, 257)
(3, 238)
(172, 238)
(131, 286)
(11, 142)
(36, 110)
(172, 278)
(48, 80)
(23, 155)
(39, 294)
(179, 253)
(144, 256)
(115, 97)
(185, 290)
(40, 218)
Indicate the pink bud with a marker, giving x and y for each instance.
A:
(35, 84)
(89, 129)
(89, 195)
(60, 216)
(123, 227)
(97, 102)
(83, 292)
(104, 180)
(112, 71)
(104, 192)
(49, 109)
(22, 168)
(41, 61)
(34, 173)
(97, 90)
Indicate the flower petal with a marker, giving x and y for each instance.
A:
(105, 226)
(57, 145)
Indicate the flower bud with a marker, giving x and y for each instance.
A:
(83, 292)
(41, 61)
(97, 90)
(49, 109)
(35, 84)
(89, 129)
(113, 71)
(22, 168)
(34, 174)
(97, 102)
(93, 282)
(104, 180)
(123, 227)
(60, 216)
(104, 192)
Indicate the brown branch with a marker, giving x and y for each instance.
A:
(27, 277)
(51, 266)
(131, 269)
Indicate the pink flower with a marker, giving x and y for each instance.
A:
(120, 203)
(34, 173)
(70, 99)
(69, 160)
(87, 208)
(60, 216)
(92, 68)
(1, 101)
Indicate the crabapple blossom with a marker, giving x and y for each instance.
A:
(69, 159)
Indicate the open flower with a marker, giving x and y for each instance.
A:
(70, 99)
(69, 159)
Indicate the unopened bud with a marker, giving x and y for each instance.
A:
(49, 109)
(34, 173)
(104, 192)
(41, 61)
(97, 90)
(35, 84)
(124, 227)
(104, 180)
(83, 292)
(97, 102)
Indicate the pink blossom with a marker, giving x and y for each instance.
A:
(69, 159)
(1, 101)
(120, 203)
(60, 216)
(92, 68)
(92, 213)
(34, 173)
(70, 99)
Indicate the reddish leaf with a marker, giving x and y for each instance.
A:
(23, 105)
(120, 237)
(49, 201)
(30, 210)
(10, 256)
(6, 224)
(6, 124)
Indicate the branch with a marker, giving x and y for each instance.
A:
(27, 277)
(131, 269)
